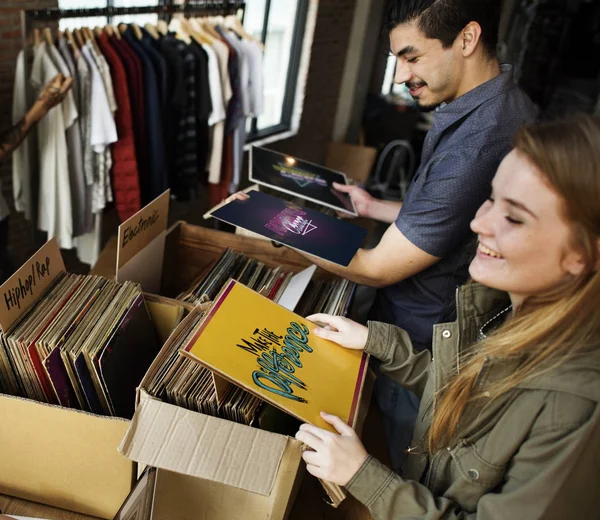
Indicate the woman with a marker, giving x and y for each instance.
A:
(509, 425)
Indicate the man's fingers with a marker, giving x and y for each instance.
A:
(342, 187)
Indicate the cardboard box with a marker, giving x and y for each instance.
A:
(67, 458)
(238, 471)
(190, 250)
(210, 467)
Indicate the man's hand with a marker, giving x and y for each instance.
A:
(340, 330)
(51, 95)
(333, 457)
(361, 198)
(368, 206)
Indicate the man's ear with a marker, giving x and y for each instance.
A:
(469, 38)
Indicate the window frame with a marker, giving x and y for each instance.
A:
(293, 72)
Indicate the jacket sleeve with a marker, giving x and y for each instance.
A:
(399, 361)
(553, 476)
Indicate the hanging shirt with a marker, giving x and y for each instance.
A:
(125, 177)
(244, 69)
(157, 167)
(176, 99)
(160, 66)
(54, 205)
(103, 132)
(84, 84)
(203, 109)
(22, 173)
(254, 54)
(217, 113)
(218, 131)
(135, 85)
(185, 176)
(75, 156)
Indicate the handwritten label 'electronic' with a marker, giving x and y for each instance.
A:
(141, 229)
(23, 288)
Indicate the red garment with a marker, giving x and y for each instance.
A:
(125, 176)
(135, 82)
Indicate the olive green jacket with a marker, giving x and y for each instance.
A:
(533, 453)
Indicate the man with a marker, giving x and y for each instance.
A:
(52, 94)
(446, 56)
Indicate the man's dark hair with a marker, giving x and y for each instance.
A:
(444, 19)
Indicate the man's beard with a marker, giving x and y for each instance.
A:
(423, 108)
(428, 108)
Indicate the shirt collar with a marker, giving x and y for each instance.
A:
(448, 113)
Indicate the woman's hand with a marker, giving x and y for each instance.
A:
(333, 457)
(340, 330)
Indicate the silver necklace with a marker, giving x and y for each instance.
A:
(481, 333)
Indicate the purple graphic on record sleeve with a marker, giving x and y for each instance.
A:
(291, 220)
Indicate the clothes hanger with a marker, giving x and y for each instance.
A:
(152, 31)
(122, 28)
(48, 36)
(36, 37)
(70, 39)
(137, 31)
(79, 38)
(162, 27)
(59, 34)
(199, 32)
(208, 26)
(113, 31)
(233, 22)
(177, 27)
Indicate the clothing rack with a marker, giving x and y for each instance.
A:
(31, 16)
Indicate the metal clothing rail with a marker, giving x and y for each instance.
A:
(223, 7)
(30, 16)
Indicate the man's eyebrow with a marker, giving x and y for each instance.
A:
(409, 49)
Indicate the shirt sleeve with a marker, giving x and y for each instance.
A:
(439, 207)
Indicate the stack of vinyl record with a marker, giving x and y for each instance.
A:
(183, 382)
(329, 296)
(85, 344)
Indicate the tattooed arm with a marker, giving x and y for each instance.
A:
(52, 94)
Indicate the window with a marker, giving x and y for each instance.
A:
(391, 89)
(280, 25)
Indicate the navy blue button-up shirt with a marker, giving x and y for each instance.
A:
(469, 138)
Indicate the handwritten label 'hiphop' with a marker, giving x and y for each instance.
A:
(24, 286)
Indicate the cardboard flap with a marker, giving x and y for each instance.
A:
(179, 440)
(141, 245)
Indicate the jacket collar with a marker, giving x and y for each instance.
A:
(580, 376)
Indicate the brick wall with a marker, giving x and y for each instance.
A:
(21, 233)
(330, 45)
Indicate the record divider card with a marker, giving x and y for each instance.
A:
(29, 283)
